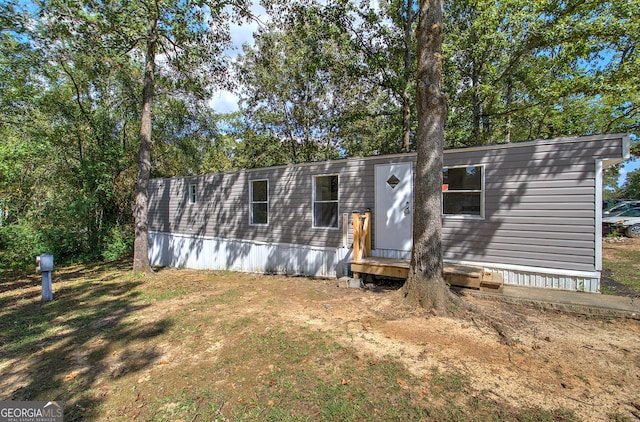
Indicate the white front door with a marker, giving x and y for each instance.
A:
(394, 206)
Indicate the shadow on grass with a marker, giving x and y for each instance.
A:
(62, 349)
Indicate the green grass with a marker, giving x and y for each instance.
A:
(295, 374)
(625, 268)
(159, 331)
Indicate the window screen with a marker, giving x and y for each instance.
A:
(259, 202)
(462, 191)
(325, 201)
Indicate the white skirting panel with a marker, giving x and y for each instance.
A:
(548, 278)
(176, 250)
(548, 281)
(522, 276)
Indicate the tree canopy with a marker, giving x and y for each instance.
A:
(323, 79)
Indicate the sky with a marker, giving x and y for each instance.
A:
(627, 167)
(226, 101)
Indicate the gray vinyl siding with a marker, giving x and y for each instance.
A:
(539, 201)
(539, 205)
(222, 206)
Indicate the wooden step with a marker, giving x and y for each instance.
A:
(491, 282)
(454, 274)
(463, 270)
(462, 280)
(387, 267)
(463, 276)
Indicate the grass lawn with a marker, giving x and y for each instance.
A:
(205, 345)
(623, 261)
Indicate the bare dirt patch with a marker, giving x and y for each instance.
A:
(591, 366)
(206, 345)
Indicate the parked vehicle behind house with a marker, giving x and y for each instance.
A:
(607, 204)
(621, 207)
(628, 222)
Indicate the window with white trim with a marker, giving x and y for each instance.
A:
(325, 201)
(193, 190)
(259, 200)
(462, 191)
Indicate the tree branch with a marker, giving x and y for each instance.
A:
(78, 97)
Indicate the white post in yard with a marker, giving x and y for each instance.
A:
(45, 266)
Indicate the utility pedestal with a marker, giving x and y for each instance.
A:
(45, 266)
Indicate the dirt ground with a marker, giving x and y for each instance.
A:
(588, 365)
(591, 366)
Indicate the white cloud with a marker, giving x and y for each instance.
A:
(622, 177)
(224, 102)
(243, 33)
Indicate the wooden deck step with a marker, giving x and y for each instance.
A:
(491, 282)
(388, 267)
(463, 270)
(463, 276)
(454, 274)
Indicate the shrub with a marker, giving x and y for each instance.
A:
(118, 243)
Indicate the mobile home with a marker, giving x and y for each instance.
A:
(530, 211)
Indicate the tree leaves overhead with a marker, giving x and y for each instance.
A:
(299, 80)
(514, 70)
(519, 70)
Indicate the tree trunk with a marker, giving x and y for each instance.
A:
(475, 82)
(141, 244)
(406, 119)
(425, 285)
(406, 93)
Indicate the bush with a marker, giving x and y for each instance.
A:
(23, 240)
(20, 243)
(118, 243)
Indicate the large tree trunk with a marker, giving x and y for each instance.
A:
(406, 93)
(475, 83)
(425, 285)
(141, 244)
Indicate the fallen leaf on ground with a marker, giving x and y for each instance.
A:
(71, 376)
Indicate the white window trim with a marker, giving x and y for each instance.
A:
(482, 193)
(193, 192)
(313, 202)
(251, 202)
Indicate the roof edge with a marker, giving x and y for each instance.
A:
(625, 137)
